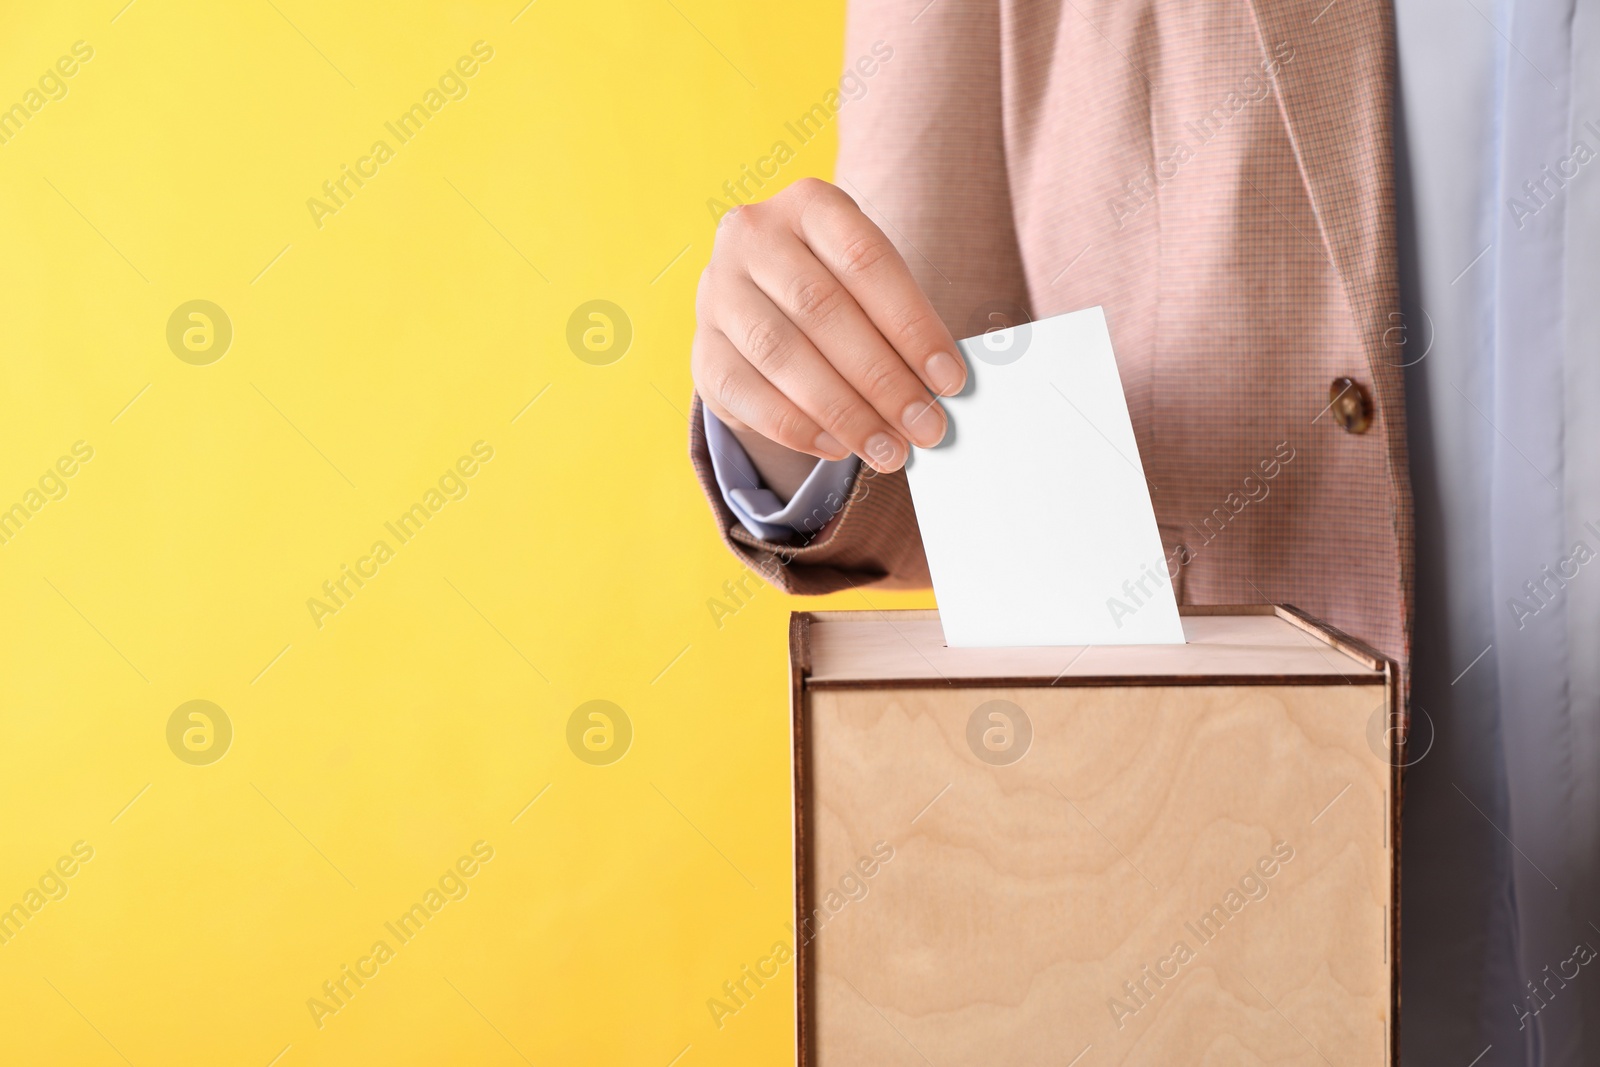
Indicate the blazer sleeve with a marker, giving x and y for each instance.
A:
(922, 151)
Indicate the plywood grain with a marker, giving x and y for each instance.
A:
(1020, 898)
(903, 648)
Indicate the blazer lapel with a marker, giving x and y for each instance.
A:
(1336, 100)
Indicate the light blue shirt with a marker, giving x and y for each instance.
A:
(1498, 168)
(758, 508)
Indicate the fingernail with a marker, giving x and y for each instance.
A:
(825, 443)
(946, 374)
(924, 421)
(884, 453)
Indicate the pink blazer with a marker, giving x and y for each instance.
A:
(1218, 174)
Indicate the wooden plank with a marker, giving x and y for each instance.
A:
(800, 760)
(898, 648)
(1020, 897)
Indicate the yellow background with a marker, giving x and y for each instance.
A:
(367, 356)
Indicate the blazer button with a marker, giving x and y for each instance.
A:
(1350, 404)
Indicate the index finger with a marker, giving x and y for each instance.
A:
(869, 266)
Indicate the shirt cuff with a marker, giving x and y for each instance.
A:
(760, 510)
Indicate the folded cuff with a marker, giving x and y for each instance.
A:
(758, 509)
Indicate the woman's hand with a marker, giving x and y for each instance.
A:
(813, 333)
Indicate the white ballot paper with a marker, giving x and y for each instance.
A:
(1034, 509)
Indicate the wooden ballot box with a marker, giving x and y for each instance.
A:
(1155, 855)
